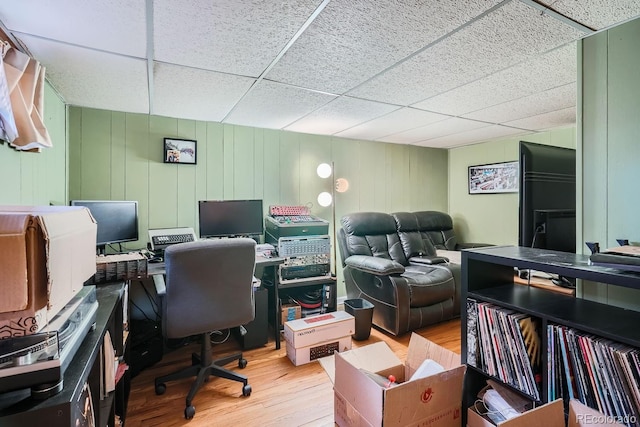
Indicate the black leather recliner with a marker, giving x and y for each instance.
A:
(438, 228)
(418, 231)
(408, 285)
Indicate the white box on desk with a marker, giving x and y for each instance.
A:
(319, 328)
(432, 401)
(302, 355)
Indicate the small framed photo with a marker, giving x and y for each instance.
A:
(494, 178)
(180, 151)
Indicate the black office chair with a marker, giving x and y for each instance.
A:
(208, 288)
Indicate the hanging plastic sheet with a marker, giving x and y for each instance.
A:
(25, 80)
(8, 131)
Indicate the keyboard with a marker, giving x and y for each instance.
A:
(162, 238)
(172, 238)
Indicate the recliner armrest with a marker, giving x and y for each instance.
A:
(374, 265)
(428, 260)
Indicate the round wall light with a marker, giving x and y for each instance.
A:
(324, 199)
(324, 170)
(342, 185)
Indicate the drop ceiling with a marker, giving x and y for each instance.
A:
(431, 73)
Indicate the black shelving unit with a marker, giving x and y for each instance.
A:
(488, 276)
(66, 406)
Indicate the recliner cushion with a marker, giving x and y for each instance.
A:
(438, 227)
(414, 242)
(429, 285)
(373, 234)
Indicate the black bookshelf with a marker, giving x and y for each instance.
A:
(488, 276)
(19, 409)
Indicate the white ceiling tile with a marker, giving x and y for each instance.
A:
(90, 78)
(352, 41)
(340, 114)
(474, 136)
(596, 14)
(554, 119)
(240, 37)
(274, 105)
(394, 122)
(112, 25)
(434, 130)
(506, 36)
(539, 103)
(196, 94)
(555, 68)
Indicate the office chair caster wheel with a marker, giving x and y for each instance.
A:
(242, 363)
(189, 412)
(160, 388)
(246, 390)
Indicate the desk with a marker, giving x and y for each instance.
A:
(270, 264)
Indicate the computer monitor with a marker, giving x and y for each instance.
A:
(230, 218)
(555, 229)
(117, 220)
(547, 183)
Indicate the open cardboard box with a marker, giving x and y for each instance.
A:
(551, 415)
(46, 255)
(435, 400)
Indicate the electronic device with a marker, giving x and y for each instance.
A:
(555, 229)
(230, 218)
(40, 360)
(161, 238)
(284, 210)
(305, 257)
(547, 183)
(117, 220)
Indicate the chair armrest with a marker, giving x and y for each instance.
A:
(428, 260)
(374, 265)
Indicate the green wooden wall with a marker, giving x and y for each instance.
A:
(115, 155)
(38, 178)
(609, 111)
(491, 218)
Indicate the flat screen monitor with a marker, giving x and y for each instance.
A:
(230, 218)
(555, 229)
(547, 183)
(117, 220)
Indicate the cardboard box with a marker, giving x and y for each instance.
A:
(300, 356)
(552, 413)
(290, 311)
(435, 400)
(322, 327)
(46, 255)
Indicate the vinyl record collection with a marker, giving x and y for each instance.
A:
(601, 373)
(507, 345)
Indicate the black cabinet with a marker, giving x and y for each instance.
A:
(257, 330)
(488, 278)
(80, 396)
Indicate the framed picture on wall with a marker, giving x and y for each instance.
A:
(180, 151)
(494, 178)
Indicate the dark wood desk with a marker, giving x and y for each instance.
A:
(269, 264)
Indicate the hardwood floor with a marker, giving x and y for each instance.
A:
(283, 394)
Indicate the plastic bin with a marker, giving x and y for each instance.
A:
(362, 311)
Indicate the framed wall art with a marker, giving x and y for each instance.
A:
(180, 151)
(494, 178)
